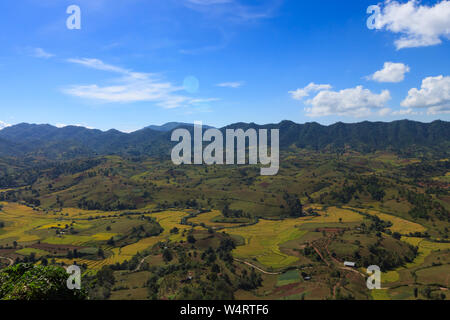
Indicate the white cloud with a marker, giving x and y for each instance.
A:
(418, 25)
(405, 112)
(131, 87)
(209, 2)
(312, 87)
(434, 95)
(62, 125)
(235, 10)
(233, 85)
(384, 112)
(98, 64)
(40, 53)
(4, 125)
(198, 101)
(391, 72)
(355, 102)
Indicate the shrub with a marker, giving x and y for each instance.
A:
(30, 282)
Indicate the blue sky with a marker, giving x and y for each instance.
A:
(139, 62)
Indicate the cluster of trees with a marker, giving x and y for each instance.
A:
(418, 234)
(230, 213)
(346, 194)
(311, 253)
(189, 203)
(427, 169)
(95, 205)
(127, 265)
(342, 296)
(207, 290)
(424, 206)
(375, 188)
(72, 167)
(216, 277)
(249, 281)
(428, 293)
(387, 259)
(149, 228)
(37, 282)
(32, 201)
(101, 284)
(224, 250)
(377, 224)
(75, 254)
(372, 185)
(19, 177)
(27, 259)
(153, 287)
(29, 173)
(293, 205)
(10, 196)
(146, 230)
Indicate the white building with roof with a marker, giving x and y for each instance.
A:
(349, 264)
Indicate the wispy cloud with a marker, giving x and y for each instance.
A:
(98, 64)
(224, 16)
(205, 49)
(234, 9)
(233, 85)
(224, 38)
(209, 2)
(40, 53)
(132, 87)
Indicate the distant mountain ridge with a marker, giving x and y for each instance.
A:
(71, 141)
(173, 125)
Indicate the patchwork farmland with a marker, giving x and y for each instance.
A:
(257, 239)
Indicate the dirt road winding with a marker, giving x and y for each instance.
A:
(11, 261)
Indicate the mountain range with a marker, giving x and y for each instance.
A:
(172, 126)
(69, 142)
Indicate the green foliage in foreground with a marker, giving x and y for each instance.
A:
(28, 282)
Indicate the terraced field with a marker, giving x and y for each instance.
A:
(168, 220)
(263, 243)
(425, 248)
(211, 219)
(20, 220)
(263, 240)
(27, 226)
(399, 225)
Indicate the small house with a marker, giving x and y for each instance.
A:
(349, 264)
